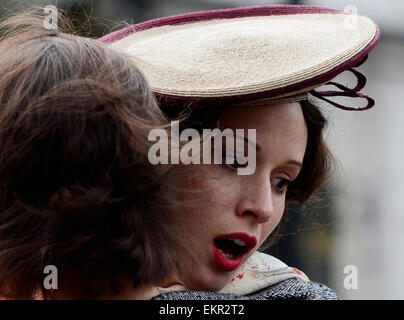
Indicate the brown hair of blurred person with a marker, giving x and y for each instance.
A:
(76, 188)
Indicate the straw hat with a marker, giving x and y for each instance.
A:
(249, 55)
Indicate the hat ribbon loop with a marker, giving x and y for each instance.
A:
(346, 92)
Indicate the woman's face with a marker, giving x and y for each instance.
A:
(241, 210)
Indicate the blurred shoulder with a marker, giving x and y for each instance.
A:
(295, 289)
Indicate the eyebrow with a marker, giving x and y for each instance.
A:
(297, 163)
(258, 148)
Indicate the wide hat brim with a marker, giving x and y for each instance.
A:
(266, 53)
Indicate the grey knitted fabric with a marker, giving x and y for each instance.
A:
(289, 289)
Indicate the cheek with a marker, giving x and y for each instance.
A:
(213, 188)
(207, 196)
(269, 227)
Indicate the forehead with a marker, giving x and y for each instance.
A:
(262, 115)
(278, 126)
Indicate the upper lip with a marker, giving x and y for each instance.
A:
(251, 241)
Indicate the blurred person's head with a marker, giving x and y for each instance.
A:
(76, 188)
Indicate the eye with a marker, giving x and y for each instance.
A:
(280, 185)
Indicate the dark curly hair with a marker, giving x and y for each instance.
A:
(76, 188)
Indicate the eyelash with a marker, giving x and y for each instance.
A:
(285, 186)
(280, 191)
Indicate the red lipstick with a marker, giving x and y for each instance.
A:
(229, 249)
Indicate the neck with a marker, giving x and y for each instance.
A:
(127, 292)
(146, 292)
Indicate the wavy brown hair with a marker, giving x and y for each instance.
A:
(76, 188)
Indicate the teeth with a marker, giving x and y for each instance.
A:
(226, 255)
(239, 242)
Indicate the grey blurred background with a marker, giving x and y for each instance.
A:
(360, 220)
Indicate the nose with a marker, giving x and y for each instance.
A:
(259, 205)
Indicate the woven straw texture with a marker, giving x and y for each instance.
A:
(206, 59)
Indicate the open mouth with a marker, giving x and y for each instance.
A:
(228, 250)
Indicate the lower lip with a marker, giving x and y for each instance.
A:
(224, 263)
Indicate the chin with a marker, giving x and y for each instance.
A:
(207, 281)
